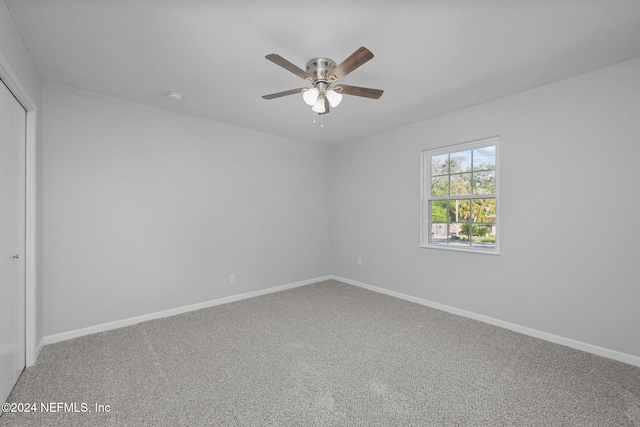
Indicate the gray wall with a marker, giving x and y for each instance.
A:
(570, 157)
(147, 210)
(18, 59)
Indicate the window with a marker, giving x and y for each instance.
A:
(460, 197)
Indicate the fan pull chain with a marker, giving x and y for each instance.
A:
(315, 115)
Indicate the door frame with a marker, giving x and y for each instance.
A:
(12, 82)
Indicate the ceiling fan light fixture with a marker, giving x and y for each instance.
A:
(334, 98)
(318, 107)
(311, 96)
(323, 73)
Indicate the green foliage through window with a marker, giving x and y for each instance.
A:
(462, 198)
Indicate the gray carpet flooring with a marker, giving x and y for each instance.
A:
(327, 354)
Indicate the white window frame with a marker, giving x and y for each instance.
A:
(426, 197)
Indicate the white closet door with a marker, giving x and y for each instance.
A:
(12, 240)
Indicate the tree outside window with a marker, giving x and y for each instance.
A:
(460, 197)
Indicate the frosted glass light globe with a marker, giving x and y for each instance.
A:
(318, 107)
(310, 96)
(334, 97)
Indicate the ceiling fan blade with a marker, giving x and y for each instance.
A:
(326, 106)
(359, 91)
(355, 60)
(279, 60)
(285, 93)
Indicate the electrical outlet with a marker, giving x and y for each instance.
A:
(232, 278)
(359, 261)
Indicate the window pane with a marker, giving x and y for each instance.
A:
(460, 210)
(460, 204)
(484, 158)
(460, 161)
(439, 211)
(459, 234)
(484, 236)
(438, 234)
(440, 164)
(461, 184)
(484, 210)
(484, 182)
(440, 186)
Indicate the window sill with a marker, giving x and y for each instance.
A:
(462, 249)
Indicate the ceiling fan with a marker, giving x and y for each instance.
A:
(323, 74)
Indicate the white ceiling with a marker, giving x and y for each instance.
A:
(431, 56)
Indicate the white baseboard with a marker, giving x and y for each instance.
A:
(579, 345)
(50, 339)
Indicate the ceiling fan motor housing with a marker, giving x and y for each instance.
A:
(320, 68)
